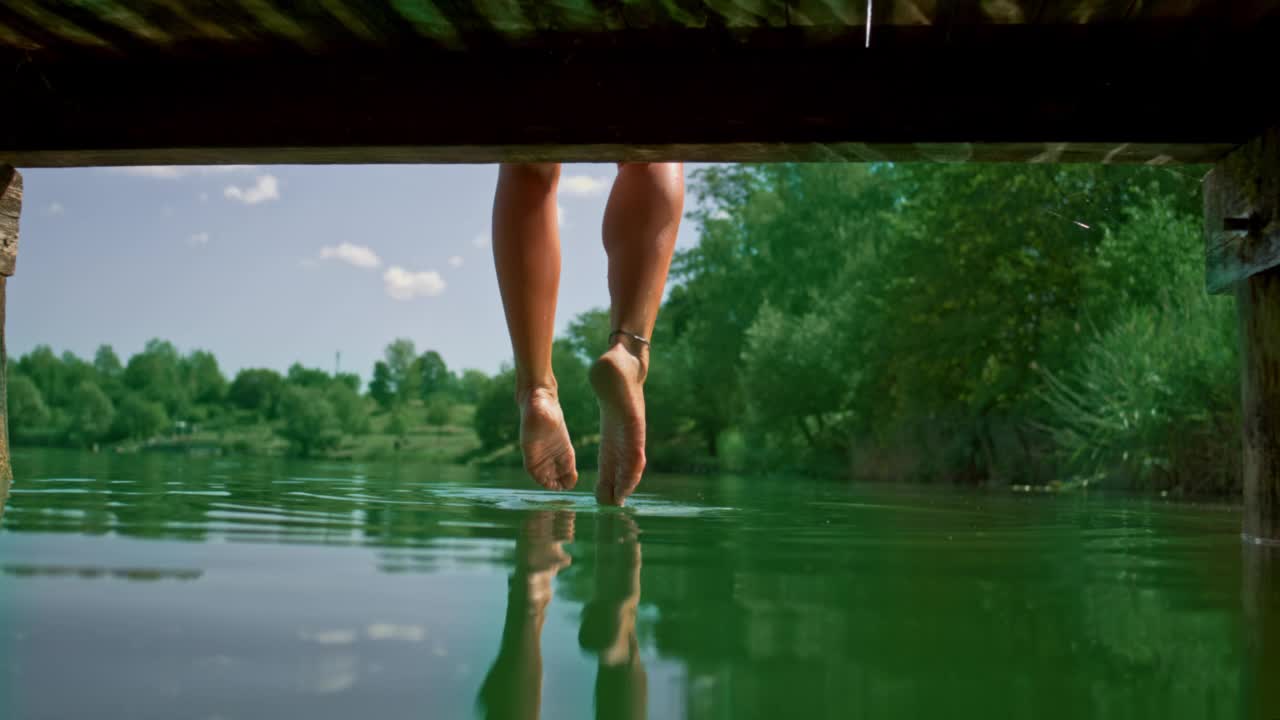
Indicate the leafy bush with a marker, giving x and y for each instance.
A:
(1154, 401)
(310, 423)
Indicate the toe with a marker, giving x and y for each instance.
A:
(605, 494)
(566, 471)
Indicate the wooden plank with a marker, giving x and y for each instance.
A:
(1258, 302)
(10, 210)
(1242, 213)
(416, 107)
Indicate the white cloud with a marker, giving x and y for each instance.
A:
(266, 188)
(55, 208)
(455, 261)
(200, 238)
(405, 285)
(560, 215)
(584, 185)
(481, 241)
(357, 255)
(173, 172)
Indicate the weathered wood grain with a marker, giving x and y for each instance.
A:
(1242, 213)
(6, 469)
(321, 26)
(1258, 301)
(1260, 596)
(10, 210)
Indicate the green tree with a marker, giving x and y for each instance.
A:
(107, 363)
(439, 411)
(496, 422)
(137, 418)
(349, 408)
(433, 375)
(93, 414)
(44, 369)
(157, 373)
(300, 376)
(381, 387)
(310, 423)
(205, 381)
(401, 358)
(257, 390)
(27, 409)
(472, 385)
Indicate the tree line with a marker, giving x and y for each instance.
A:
(993, 323)
(65, 400)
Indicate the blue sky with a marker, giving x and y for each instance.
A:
(268, 265)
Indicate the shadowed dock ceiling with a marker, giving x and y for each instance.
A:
(89, 82)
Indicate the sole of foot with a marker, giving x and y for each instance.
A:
(544, 442)
(616, 379)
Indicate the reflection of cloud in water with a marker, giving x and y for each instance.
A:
(332, 674)
(387, 631)
(329, 637)
(375, 631)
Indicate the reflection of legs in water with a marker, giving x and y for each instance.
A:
(526, 253)
(609, 620)
(640, 225)
(513, 687)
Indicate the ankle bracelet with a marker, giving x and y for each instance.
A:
(632, 336)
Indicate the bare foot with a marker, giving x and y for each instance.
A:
(544, 441)
(618, 380)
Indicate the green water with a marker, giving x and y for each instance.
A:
(160, 586)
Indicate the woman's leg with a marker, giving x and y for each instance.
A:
(526, 252)
(640, 225)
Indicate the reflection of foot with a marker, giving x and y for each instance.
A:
(609, 618)
(617, 379)
(538, 549)
(539, 555)
(544, 441)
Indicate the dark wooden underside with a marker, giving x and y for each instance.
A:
(1021, 93)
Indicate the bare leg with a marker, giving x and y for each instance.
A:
(609, 620)
(526, 253)
(513, 688)
(640, 225)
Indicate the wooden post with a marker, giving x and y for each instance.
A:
(1242, 232)
(1260, 594)
(10, 210)
(1258, 301)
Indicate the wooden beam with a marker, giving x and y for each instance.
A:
(1022, 96)
(1023, 152)
(1242, 213)
(10, 210)
(1258, 300)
